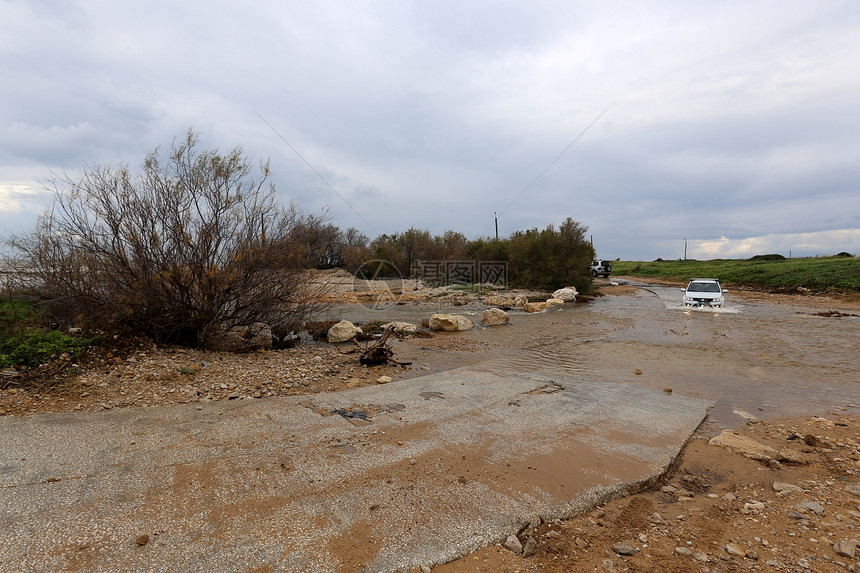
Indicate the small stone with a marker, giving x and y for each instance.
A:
(791, 457)
(580, 542)
(796, 515)
(853, 489)
(741, 444)
(624, 549)
(845, 549)
(668, 489)
(656, 518)
(142, 540)
(754, 506)
(608, 565)
(728, 497)
(785, 488)
(735, 549)
(637, 372)
(530, 547)
(683, 551)
(425, 569)
(552, 533)
(513, 544)
(701, 557)
(383, 380)
(812, 506)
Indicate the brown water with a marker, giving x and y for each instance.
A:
(751, 360)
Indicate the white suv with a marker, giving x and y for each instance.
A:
(704, 292)
(603, 268)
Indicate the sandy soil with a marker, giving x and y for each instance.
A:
(716, 511)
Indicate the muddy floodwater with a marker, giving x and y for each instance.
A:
(752, 360)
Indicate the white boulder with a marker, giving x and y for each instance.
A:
(343, 331)
(535, 306)
(450, 322)
(495, 316)
(566, 294)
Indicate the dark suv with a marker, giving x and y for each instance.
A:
(603, 268)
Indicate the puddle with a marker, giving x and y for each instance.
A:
(357, 414)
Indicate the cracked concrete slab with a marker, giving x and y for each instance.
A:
(437, 467)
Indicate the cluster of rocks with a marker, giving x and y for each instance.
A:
(497, 314)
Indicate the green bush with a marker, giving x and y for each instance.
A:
(770, 257)
(542, 259)
(38, 347)
(26, 340)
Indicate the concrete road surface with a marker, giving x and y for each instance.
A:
(383, 478)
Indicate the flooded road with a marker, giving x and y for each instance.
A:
(751, 359)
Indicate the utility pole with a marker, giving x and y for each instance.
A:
(496, 217)
(685, 248)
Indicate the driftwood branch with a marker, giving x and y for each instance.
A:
(380, 352)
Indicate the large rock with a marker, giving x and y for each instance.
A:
(551, 302)
(450, 322)
(343, 331)
(535, 306)
(504, 301)
(495, 316)
(566, 294)
(741, 444)
(242, 338)
(845, 549)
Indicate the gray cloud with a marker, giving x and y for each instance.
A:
(729, 119)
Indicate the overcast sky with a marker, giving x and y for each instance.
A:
(734, 125)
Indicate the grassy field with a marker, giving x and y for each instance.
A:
(819, 274)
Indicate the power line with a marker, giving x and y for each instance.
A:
(323, 179)
(551, 163)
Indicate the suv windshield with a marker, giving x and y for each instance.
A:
(704, 287)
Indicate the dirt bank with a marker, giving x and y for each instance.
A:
(718, 511)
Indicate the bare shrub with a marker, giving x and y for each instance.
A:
(180, 251)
